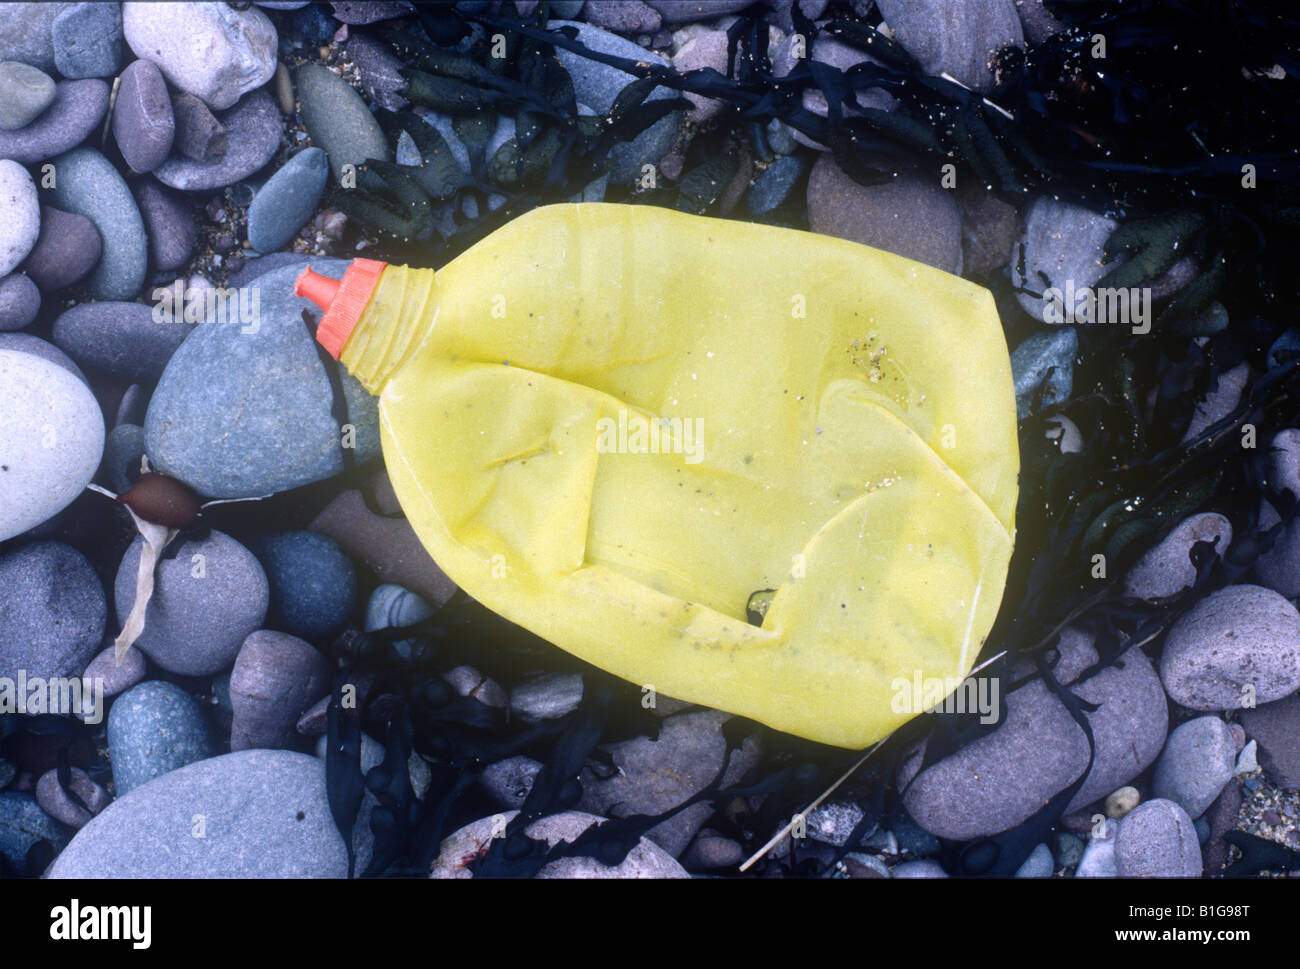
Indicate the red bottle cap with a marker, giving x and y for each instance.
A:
(342, 300)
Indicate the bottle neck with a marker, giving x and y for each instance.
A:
(402, 310)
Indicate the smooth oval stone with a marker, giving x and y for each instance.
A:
(265, 814)
(59, 804)
(1062, 245)
(1044, 365)
(288, 200)
(1196, 764)
(1237, 647)
(1157, 840)
(211, 50)
(997, 781)
(52, 611)
(645, 860)
(199, 135)
(253, 132)
(143, 125)
(20, 301)
(956, 37)
(391, 605)
(34, 345)
(25, 32)
(53, 434)
(153, 728)
(22, 825)
(124, 339)
(597, 85)
(911, 215)
(78, 110)
(337, 118)
(25, 92)
(209, 594)
(1279, 568)
(21, 224)
(122, 452)
(272, 375)
(276, 677)
(171, 223)
(1167, 569)
(772, 187)
(66, 250)
(89, 185)
(114, 677)
(313, 584)
(87, 40)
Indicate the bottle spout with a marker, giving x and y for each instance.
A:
(342, 300)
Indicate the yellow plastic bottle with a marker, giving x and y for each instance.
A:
(614, 424)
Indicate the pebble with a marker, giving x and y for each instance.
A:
(200, 136)
(337, 119)
(467, 681)
(276, 677)
(1039, 864)
(379, 70)
(171, 224)
(52, 611)
(989, 230)
(20, 301)
(688, 11)
(1098, 859)
(238, 47)
(621, 16)
(1279, 568)
(78, 111)
(253, 131)
(597, 85)
(711, 851)
(1167, 569)
(924, 868)
(273, 363)
(67, 248)
(1275, 727)
(42, 404)
(1060, 242)
(313, 584)
(1042, 369)
(123, 339)
(21, 222)
(22, 825)
(911, 215)
(833, 822)
(63, 806)
(116, 678)
(1037, 21)
(1121, 802)
(1240, 636)
(143, 123)
(288, 200)
(645, 860)
(264, 814)
(1219, 402)
(547, 697)
(509, 782)
(1221, 818)
(209, 594)
(1157, 840)
(89, 185)
(122, 453)
(706, 49)
(1197, 762)
(1068, 849)
(25, 92)
(654, 776)
(35, 346)
(87, 40)
(388, 547)
(153, 728)
(956, 37)
(998, 781)
(772, 187)
(368, 11)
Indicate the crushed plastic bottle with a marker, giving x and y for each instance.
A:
(753, 468)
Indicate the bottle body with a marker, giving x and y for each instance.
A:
(613, 425)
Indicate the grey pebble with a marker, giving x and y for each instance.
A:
(63, 805)
(25, 92)
(53, 611)
(123, 449)
(547, 697)
(199, 135)
(123, 339)
(153, 728)
(89, 185)
(78, 110)
(1157, 840)
(67, 249)
(22, 825)
(20, 301)
(253, 134)
(276, 676)
(171, 223)
(1167, 569)
(288, 200)
(1197, 762)
(143, 123)
(772, 187)
(957, 37)
(115, 678)
(1039, 864)
(87, 40)
(338, 119)
(1042, 369)
(509, 782)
